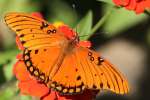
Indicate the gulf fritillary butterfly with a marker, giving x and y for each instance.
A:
(59, 62)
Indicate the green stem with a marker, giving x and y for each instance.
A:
(100, 22)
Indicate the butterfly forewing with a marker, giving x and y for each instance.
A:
(33, 32)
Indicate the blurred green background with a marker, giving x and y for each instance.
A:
(119, 35)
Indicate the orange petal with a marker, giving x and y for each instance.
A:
(132, 5)
(51, 96)
(118, 2)
(85, 44)
(140, 7)
(18, 42)
(121, 2)
(20, 71)
(19, 56)
(33, 88)
(147, 4)
(37, 14)
(68, 32)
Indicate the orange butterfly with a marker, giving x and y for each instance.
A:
(58, 60)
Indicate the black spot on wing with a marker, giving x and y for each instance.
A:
(101, 85)
(100, 60)
(92, 58)
(36, 51)
(22, 35)
(89, 53)
(79, 78)
(76, 69)
(23, 42)
(44, 25)
(54, 31)
(94, 86)
(18, 30)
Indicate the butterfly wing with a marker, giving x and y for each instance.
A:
(71, 72)
(44, 45)
(33, 32)
(85, 69)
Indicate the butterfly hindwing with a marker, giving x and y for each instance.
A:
(85, 69)
(44, 62)
(68, 78)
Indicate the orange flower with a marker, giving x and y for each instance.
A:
(69, 33)
(136, 5)
(29, 85)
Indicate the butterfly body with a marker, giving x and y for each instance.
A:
(55, 57)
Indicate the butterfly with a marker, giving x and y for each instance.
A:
(57, 59)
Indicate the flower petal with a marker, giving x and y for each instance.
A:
(136, 5)
(132, 5)
(19, 56)
(51, 96)
(20, 46)
(85, 44)
(140, 7)
(68, 32)
(33, 88)
(121, 2)
(118, 2)
(37, 14)
(20, 71)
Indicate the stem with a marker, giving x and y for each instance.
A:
(100, 22)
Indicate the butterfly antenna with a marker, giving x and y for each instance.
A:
(74, 7)
(96, 34)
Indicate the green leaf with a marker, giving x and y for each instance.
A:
(7, 60)
(120, 20)
(84, 26)
(7, 55)
(22, 6)
(22, 97)
(61, 11)
(6, 94)
(8, 70)
(107, 1)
